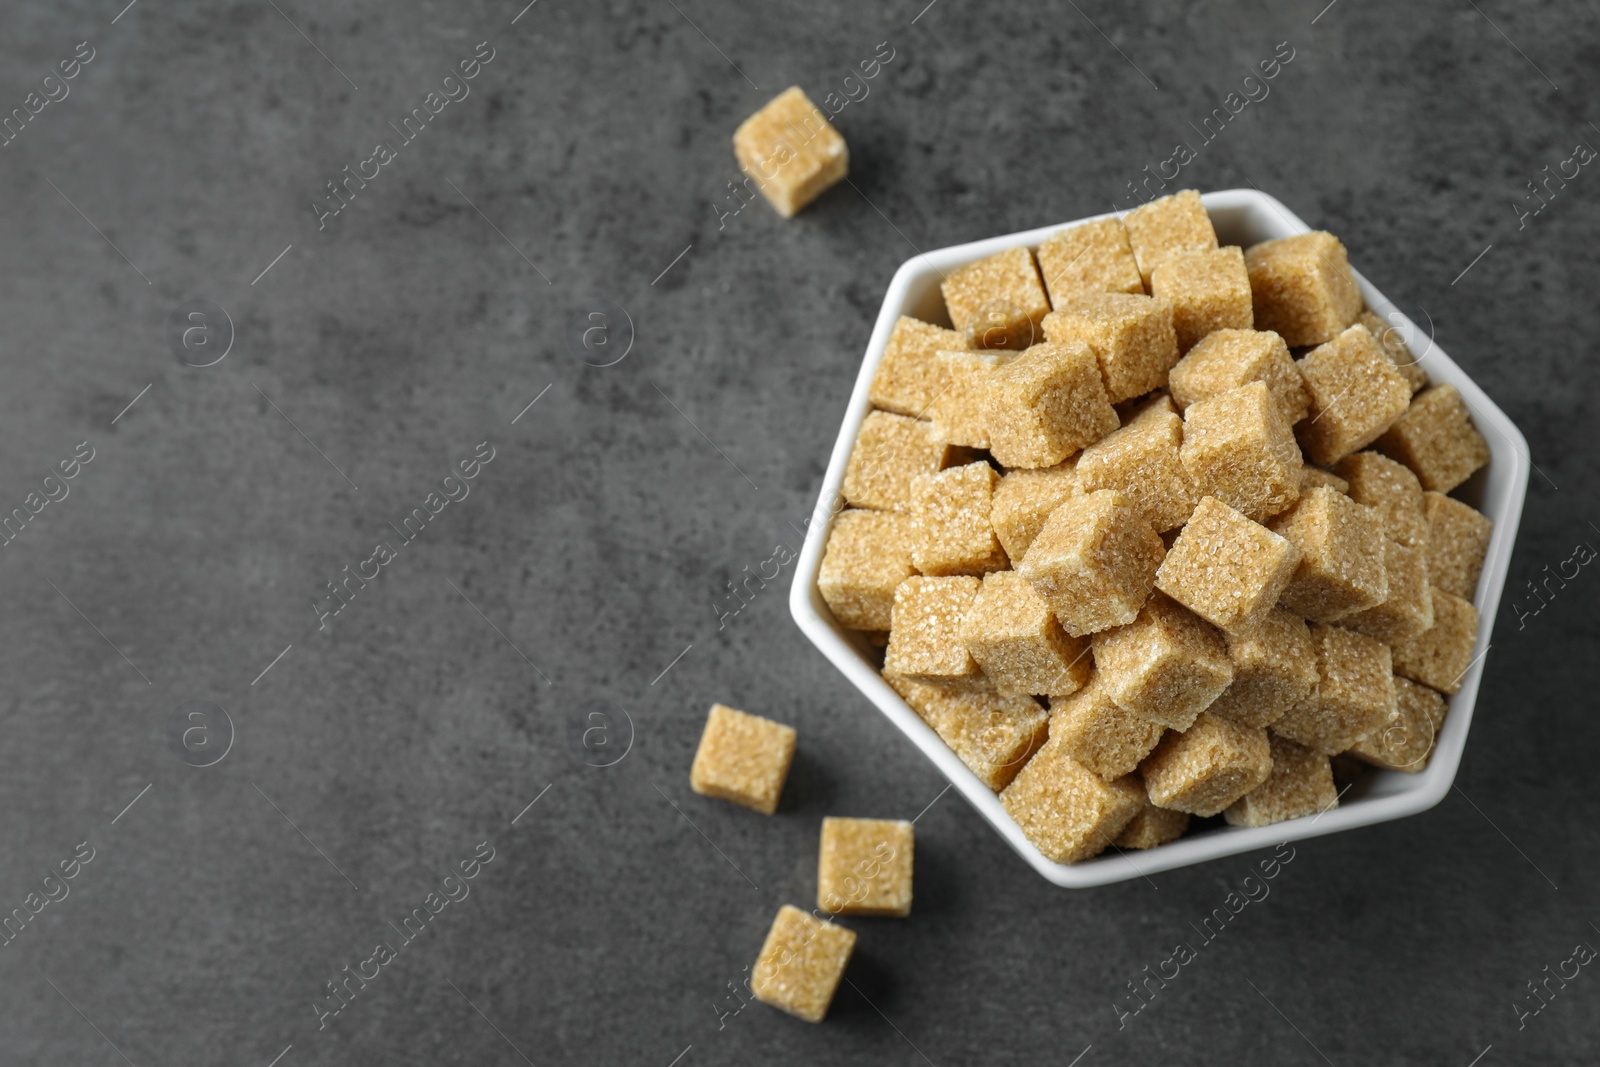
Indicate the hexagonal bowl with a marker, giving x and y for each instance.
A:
(1241, 217)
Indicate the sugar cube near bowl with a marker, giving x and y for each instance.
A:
(864, 867)
(742, 758)
(801, 964)
(791, 151)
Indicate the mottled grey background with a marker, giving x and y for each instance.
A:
(596, 546)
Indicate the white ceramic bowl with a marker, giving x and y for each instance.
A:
(1241, 217)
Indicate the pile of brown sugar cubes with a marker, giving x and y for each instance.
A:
(1194, 499)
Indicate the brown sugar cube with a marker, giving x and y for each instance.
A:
(1069, 812)
(1408, 609)
(957, 411)
(1274, 668)
(1094, 562)
(1020, 646)
(1392, 490)
(1141, 461)
(1226, 569)
(1045, 405)
(1132, 337)
(1439, 656)
(1405, 744)
(994, 735)
(1436, 439)
(910, 376)
(1342, 568)
(1209, 291)
(1301, 783)
(1094, 257)
(950, 532)
(791, 151)
(1238, 448)
(1354, 696)
(742, 758)
(1312, 477)
(1023, 501)
(1355, 395)
(868, 555)
(1302, 287)
(997, 302)
(1152, 826)
(801, 963)
(1168, 227)
(1458, 539)
(1227, 359)
(1207, 767)
(1099, 733)
(925, 631)
(864, 867)
(890, 451)
(1393, 343)
(1168, 664)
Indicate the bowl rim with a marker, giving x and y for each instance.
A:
(1390, 794)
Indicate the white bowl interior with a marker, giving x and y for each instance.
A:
(1241, 217)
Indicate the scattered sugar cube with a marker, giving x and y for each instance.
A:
(868, 555)
(890, 451)
(1020, 646)
(925, 635)
(1209, 291)
(950, 531)
(1226, 569)
(1227, 359)
(1392, 490)
(1274, 668)
(910, 376)
(957, 411)
(1393, 343)
(1132, 336)
(993, 735)
(1066, 810)
(1303, 288)
(1408, 609)
(864, 867)
(1024, 500)
(1458, 539)
(1436, 439)
(1094, 562)
(1301, 784)
(1355, 395)
(1207, 767)
(1354, 696)
(1312, 477)
(1406, 743)
(1099, 733)
(1152, 826)
(791, 150)
(742, 758)
(1141, 461)
(1238, 448)
(801, 963)
(1045, 405)
(1092, 258)
(997, 302)
(1168, 664)
(1439, 656)
(1168, 227)
(1341, 567)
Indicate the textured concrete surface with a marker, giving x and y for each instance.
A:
(587, 172)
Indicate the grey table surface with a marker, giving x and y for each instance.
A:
(366, 753)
